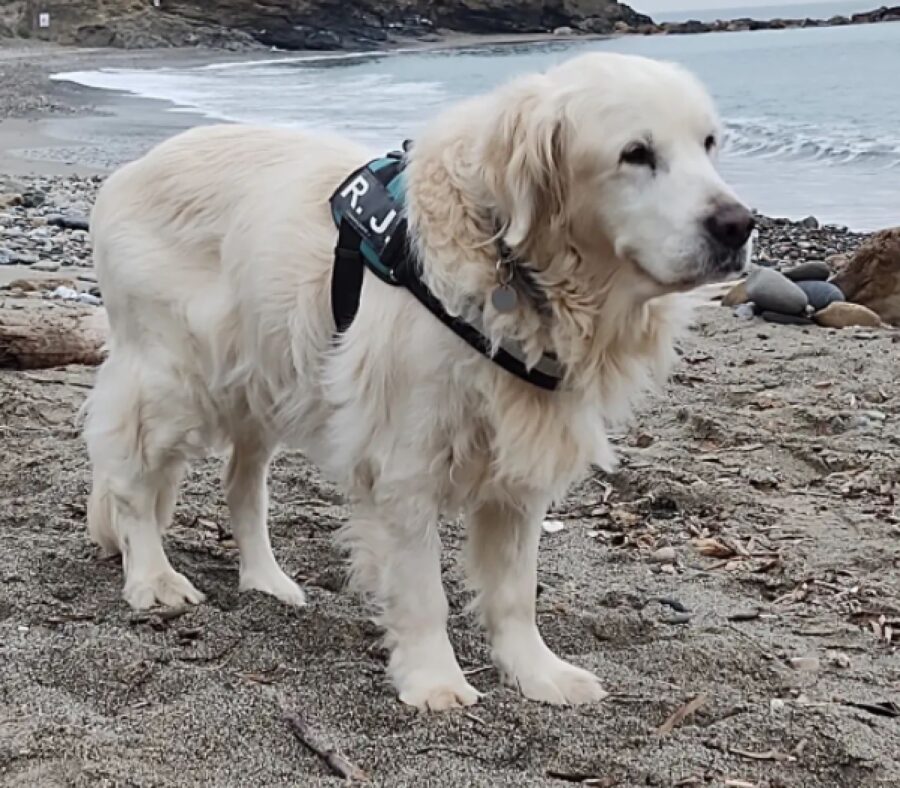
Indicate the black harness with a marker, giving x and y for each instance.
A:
(368, 211)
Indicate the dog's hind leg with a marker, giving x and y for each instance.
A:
(135, 452)
(396, 560)
(248, 497)
(503, 549)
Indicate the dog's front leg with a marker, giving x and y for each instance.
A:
(503, 547)
(396, 560)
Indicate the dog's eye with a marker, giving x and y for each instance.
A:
(640, 155)
(709, 143)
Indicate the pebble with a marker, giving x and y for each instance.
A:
(664, 555)
(785, 320)
(676, 618)
(805, 664)
(737, 295)
(821, 294)
(843, 314)
(813, 270)
(45, 265)
(772, 291)
(745, 311)
(68, 222)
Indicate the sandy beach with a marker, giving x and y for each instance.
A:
(743, 561)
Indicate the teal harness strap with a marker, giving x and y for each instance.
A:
(368, 209)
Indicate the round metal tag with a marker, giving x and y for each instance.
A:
(504, 298)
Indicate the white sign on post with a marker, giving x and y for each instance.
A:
(44, 20)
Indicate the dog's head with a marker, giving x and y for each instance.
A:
(618, 151)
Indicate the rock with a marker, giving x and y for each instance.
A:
(745, 311)
(772, 291)
(563, 31)
(821, 294)
(36, 285)
(786, 320)
(737, 295)
(24, 258)
(33, 199)
(45, 265)
(815, 270)
(837, 262)
(69, 222)
(312, 24)
(7, 200)
(806, 664)
(664, 555)
(843, 314)
(809, 223)
(872, 277)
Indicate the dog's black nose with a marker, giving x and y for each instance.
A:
(730, 225)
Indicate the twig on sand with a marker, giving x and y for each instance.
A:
(768, 755)
(680, 715)
(316, 744)
(582, 779)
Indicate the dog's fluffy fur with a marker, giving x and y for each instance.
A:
(214, 253)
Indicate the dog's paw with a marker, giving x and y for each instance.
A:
(168, 588)
(553, 680)
(437, 693)
(275, 583)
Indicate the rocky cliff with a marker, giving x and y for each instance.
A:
(300, 24)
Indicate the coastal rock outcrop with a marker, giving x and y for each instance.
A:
(366, 24)
(872, 277)
(307, 24)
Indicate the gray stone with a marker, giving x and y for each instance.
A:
(814, 270)
(821, 294)
(785, 320)
(45, 265)
(772, 291)
(68, 222)
(664, 555)
(810, 223)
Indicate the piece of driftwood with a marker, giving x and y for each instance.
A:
(44, 338)
(680, 715)
(316, 743)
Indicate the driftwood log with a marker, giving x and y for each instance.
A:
(43, 338)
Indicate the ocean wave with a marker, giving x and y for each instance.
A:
(835, 145)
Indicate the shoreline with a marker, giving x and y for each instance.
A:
(78, 130)
(46, 135)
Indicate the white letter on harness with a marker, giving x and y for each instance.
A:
(356, 189)
(385, 223)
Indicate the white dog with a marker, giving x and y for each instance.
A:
(215, 252)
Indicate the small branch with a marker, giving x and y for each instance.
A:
(317, 745)
(680, 715)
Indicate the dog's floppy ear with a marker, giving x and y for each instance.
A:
(523, 159)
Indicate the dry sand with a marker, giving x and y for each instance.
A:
(778, 443)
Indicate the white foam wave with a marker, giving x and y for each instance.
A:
(834, 145)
